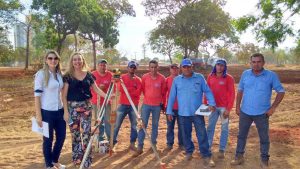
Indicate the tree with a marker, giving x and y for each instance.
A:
(97, 25)
(8, 11)
(161, 44)
(6, 49)
(64, 17)
(244, 51)
(118, 7)
(274, 21)
(165, 8)
(225, 53)
(296, 53)
(196, 23)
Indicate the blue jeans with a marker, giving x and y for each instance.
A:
(199, 124)
(56, 122)
(104, 127)
(262, 125)
(146, 110)
(123, 110)
(170, 130)
(212, 121)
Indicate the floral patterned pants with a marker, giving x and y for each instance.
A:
(80, 115)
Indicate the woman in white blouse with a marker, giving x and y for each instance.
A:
(48, 85)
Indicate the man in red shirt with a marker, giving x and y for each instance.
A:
(103, 78)
(134, 86)
(222, 86)
(174, 71)
(153, 87)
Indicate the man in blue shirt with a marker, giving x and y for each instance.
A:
(189, 88)
(253, 104)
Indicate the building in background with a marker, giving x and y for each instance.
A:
(19, 35)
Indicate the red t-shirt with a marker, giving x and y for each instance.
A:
(101, 80)
(153, 89)
(134, 87)
(169, 81)
(223, 90)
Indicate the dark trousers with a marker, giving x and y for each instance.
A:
(56, 123)
(262, 125)
(170, 130)
(186, 122)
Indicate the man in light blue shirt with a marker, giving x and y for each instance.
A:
(189, 88)
(253, 104)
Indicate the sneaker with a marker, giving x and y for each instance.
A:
(132, 147)
(59, 166)
(264, 164)
(138, 152)
(221, 154)
(188, 157)
(237, 160)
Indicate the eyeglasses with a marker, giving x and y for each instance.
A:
(174, 67)
(132, 67)
(51, 58)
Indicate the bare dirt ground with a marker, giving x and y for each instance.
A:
(21, 148)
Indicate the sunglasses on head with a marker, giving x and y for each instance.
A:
(51, 58)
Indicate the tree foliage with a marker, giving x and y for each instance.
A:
(274, 21)
(63, 14)
(9, 10)
(162, 44)
(244, 51)
(196, 24)
(97, 25)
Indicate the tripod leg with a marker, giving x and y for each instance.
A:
(162, 165)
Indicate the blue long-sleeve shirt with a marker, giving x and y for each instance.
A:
(189, 92)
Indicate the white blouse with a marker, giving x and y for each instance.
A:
(50, 95)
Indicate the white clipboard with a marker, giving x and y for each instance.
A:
(203, 110)
(40, 130)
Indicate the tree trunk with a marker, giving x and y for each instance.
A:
(27, 47)
(94, 54)
(170, 57)
(76, 44)
(59, 46)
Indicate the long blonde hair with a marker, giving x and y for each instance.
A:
(46, 67)
(70, 69)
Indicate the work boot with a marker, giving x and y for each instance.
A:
(221, 154)
(238, 160)
(264, 164)
(132, 147)
(188, 157)
(169, 147)
(138, 152)
(181, 147)
(209, 161)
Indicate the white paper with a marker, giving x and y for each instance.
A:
(40, 130)
(203, 110)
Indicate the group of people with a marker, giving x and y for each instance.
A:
(72, 98)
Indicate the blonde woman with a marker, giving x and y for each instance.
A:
(77, 94)
(48, 84)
